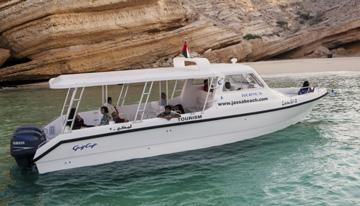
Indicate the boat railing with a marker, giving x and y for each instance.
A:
(291, 88)
(41, 144)
(48, 122)
(294, 84)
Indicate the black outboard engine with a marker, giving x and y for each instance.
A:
(24, 144)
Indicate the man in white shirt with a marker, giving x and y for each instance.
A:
(109, 106)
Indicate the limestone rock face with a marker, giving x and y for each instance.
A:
(4, 55)
(48, 38)
(321, 51)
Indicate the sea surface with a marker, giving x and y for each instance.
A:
(315, 162)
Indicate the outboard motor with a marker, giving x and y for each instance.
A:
(24, 144)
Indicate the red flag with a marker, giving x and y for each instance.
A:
(185, 50)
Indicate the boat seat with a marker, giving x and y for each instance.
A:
(155, 109)
(155, 106)
(124, 116)
(200, 100)
(199, 106)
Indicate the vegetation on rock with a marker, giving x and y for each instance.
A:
(251, 36)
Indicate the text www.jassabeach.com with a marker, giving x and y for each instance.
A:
(242, 101)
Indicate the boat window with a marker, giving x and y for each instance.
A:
(241, 81)
(238, 78)
(255, 81)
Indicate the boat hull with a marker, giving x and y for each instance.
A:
(168, 138)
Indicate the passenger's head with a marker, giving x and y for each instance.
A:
(180, 108)
(104, 110)
(72, 113)
(227, 85)
(205, 81)
(109, 100)
(114, 115)
(167, 108)
(306, 84)
(163, 95)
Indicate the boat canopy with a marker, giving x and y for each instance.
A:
(201, 70)
(230, 69)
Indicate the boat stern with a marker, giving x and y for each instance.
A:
(24, 143)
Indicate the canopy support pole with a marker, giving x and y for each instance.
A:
(142, 110)
(70, 105)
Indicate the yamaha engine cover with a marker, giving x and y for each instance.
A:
(24, 144)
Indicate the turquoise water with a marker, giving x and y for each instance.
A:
(315, 162)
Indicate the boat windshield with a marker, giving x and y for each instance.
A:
(243, 81)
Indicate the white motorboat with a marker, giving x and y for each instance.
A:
(247, 108)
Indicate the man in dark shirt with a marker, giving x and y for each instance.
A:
(168, 114)
(117, 119)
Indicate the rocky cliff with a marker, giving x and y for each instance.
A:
(46, 38)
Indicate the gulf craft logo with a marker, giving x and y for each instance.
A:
(86, 146)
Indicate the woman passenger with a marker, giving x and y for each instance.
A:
(106, 118)
(306, 88)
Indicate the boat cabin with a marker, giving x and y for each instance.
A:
(183, 85)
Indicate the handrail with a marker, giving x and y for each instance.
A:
(66, 99)
(146, 101)
(122, 98)
(73, 99)
(293, 83)
(207, 95)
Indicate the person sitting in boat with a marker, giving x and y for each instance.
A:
(168, 114)
(227, 86)
(206, 86)
(179, 109)
(163, 101)
(251, 84)
(109, 106)
(78, 122)
(106, 118)
(117, 119)
(306, 88)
